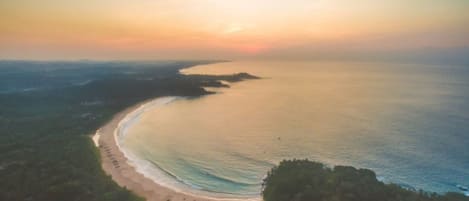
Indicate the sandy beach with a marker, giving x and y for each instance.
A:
(115, 164)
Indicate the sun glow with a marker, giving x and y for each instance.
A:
(212, 28)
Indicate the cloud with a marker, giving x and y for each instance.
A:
(234, 28)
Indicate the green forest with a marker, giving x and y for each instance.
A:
(48, 110)
(304, 180)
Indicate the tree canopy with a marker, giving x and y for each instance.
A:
(304, 180)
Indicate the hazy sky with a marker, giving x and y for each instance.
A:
(222, 29)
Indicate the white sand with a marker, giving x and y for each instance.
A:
(115, 164)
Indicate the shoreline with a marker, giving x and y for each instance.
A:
(116, 164)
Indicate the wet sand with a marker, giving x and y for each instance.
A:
(115, 164)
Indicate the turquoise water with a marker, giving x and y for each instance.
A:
(407, 122)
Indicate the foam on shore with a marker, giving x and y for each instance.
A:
(95, 138)
(153, 171)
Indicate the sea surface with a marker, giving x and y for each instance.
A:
(407, 122)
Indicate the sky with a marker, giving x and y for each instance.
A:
(241, 29)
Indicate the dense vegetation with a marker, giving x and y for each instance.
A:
(303, 180)
(49, 109)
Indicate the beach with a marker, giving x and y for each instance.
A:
(368, 115)
(115, 164)
(235, 137)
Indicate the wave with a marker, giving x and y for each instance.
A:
(83, 83)
(252, 160)
(158, 174)
(212, 175)
(21, 90)
(209, 176)
(135, 115)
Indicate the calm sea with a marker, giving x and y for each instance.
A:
(407, 122)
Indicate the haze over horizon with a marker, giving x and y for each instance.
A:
(234, 100)
(210, 29)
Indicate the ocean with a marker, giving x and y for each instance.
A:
(407, 122)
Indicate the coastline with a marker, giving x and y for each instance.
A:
(116, 164)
